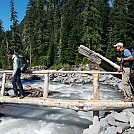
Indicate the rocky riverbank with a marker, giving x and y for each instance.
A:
(113, 123)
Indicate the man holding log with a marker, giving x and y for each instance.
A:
(125, 58)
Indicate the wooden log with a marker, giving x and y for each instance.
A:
(80, 105)
(96, 91)
(95, 86)
(66, 72)
(95, 57)
(45, 93)
(3, 84)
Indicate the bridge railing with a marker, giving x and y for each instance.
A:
(83, 105)
(95, 75)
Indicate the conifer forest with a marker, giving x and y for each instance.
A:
(52, 30)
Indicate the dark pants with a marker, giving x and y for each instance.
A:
(17, 82)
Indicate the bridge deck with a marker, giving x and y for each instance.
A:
(82, 105)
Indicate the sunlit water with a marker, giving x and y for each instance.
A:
(25, 119)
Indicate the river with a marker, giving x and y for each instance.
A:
(25, 119)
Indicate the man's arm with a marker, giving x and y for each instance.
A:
(15, 65)
(128, 58)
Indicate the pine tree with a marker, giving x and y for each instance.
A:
(92, 25)
(117, 28)
(15, 44)
(105, 24)
(71, 30)
(118, 21)
(130, 23)
(1, 45)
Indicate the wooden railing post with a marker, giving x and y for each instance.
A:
(3, 84)
(45, 93)
(95, 90)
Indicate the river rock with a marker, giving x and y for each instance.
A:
(104, 123)
(129, 131)
(131, 118)
(111, 130)
(109, 118)
(120, 116)
(129, 110)
(124, 126)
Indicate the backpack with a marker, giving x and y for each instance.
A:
(23, 64)
(131, 49)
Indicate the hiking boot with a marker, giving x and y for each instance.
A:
(22, 96)
(15, 95)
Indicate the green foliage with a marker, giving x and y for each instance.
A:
(52, 30)
(130, 23)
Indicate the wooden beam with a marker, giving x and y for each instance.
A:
(96, 95)
(96, 87)
(46, 82)
(3, 84)
(82, 105)
(69, 72)
(95, 57)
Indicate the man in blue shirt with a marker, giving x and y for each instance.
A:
(125, 55)
(16, 75)
(125, 59)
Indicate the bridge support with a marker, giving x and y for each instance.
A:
(46, 82)
(96, 91)
(3, 84)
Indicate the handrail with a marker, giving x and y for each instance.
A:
(46, 73)
(67, 72)
(46, 79)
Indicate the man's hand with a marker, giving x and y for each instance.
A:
(118, 59)
(12, 76)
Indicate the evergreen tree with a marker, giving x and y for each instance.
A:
(92, 25)
(71, 30)
(117, 29)
(1, 43)
(105, 24)
(118, 21)
(3, 47)
(130, 23)
(15, 43)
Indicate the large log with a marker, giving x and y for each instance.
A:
(81, 105)
(103, 62)
(98, 58)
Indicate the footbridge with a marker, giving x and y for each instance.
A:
(83, 105)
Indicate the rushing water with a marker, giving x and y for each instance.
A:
(25, 119)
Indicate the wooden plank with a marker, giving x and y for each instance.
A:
(3, 84)
(82, 105)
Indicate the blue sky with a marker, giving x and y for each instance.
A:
(20, 8)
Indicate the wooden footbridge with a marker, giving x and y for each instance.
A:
(83, 105)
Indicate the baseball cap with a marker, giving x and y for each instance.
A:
(119, 44)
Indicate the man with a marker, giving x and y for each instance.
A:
(16, 75)
(125, 58)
